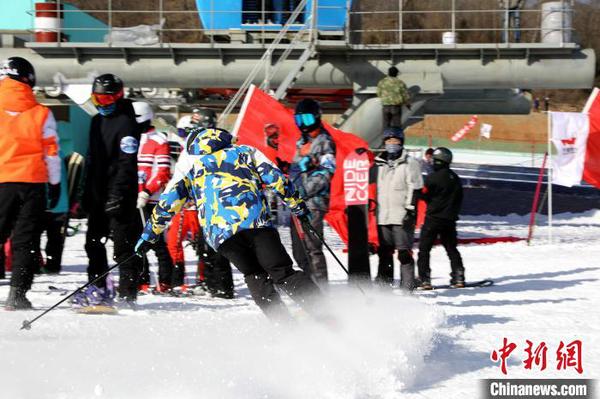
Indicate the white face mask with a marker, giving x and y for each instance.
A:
(393, 148)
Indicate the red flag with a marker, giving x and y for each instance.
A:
(591, 168)
(465, 129)
(260, 109)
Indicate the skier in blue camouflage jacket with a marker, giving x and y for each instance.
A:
(311, 171)
(225, 182)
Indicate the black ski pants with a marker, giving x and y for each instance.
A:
(394, 237)
(218, 275)
(55, 225)
(22, 207)
(165, 263)
(262, 259)
(2, 262)
(124, 231)
(308, 252)
(446, 231)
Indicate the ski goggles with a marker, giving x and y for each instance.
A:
(305, 119)
(100, 100)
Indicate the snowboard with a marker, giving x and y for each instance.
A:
(75, 163)
(468, 284)
(97, 309)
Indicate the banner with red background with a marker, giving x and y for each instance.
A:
(260, 109)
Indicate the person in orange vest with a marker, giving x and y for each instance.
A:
(28, 161)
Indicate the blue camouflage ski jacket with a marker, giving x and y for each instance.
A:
(313, 167)
(225, 181)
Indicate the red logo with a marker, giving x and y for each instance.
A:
(570, 141)
(568, 355)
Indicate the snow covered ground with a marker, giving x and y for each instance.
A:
(431, 345)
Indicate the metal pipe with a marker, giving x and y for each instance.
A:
(399, 21)
(160, 17)
(110, 26)
(329, 71)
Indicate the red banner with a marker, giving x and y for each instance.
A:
(591, 168)
(266, 124)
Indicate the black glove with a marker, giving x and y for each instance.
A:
(53, 195)
(283, 165)
(305, 222)
(410, 219)
(113, 206)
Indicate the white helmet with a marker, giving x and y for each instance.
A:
(143, 111)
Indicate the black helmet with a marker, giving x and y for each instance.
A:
(393, 132)
(19, 69)
(107, 84)
(442, 154)
(204, 117)
(304, 109)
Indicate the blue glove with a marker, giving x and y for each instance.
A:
(304, 163)
(142, 247)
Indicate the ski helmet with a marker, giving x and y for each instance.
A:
(19, 69)
(442, 154)
(308, 115)
(204, 117)
(107, 89)
(143, 112)
(393, 132)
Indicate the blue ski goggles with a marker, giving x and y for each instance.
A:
(305, 119)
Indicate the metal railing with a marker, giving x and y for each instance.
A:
(156, 19)
(426, 23)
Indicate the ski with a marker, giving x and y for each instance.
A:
(468, 284)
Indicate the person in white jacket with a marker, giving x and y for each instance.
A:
(399, 181)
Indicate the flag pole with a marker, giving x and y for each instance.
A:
(536, 198)
(549, 177)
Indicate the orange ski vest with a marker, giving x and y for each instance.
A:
(22, 145)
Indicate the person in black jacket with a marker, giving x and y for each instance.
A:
(444, 194)
(111, 185)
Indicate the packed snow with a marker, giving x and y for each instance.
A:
(384, 344)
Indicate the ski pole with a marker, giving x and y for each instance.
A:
(27, 324)
(316, 233)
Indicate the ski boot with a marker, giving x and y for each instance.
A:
(200, 289)
(94, 300)
(221, 294)
(16, 300)
(424, 285)
(457, 283)
(181, 291)
(457, 279)
(144, 289)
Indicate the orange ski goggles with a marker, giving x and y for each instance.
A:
(102, 100)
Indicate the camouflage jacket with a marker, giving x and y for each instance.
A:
(392, 91)
(225, 181)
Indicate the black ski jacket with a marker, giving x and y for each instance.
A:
(111, 165)
(444, 194)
